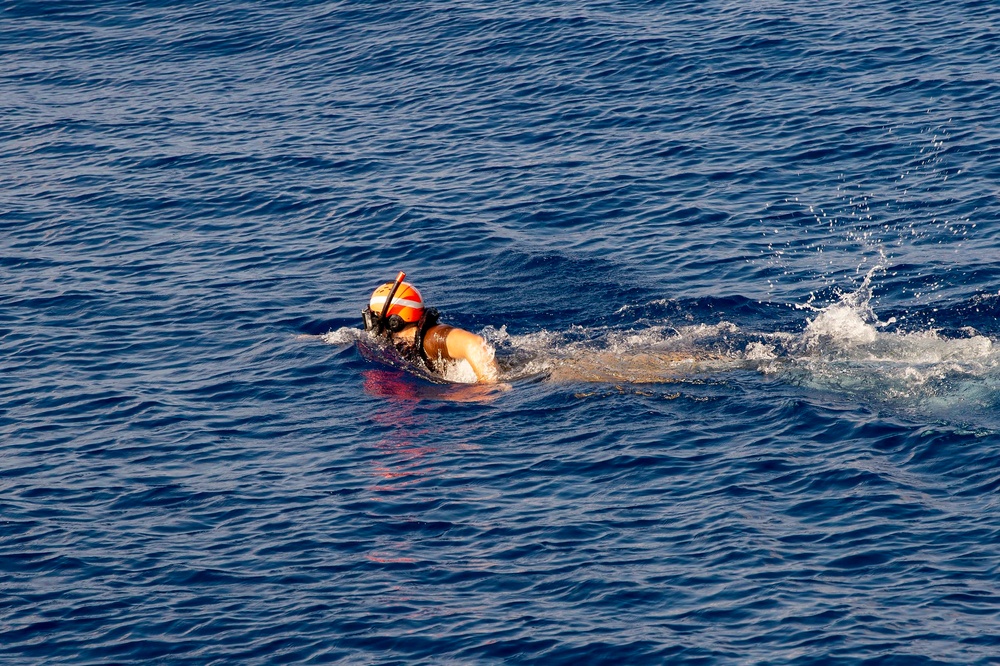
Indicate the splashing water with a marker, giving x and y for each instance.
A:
(342, 336)
(836, 232)
(850, 321)
(843, 348)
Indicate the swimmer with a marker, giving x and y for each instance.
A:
(396, 313)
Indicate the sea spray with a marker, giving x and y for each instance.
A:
(850, 321)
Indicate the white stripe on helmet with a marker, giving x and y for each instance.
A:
(379, 302)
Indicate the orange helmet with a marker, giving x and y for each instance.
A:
(406, 302)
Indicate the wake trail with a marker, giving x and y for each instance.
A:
(841, 348)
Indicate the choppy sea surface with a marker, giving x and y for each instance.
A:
(740, 263)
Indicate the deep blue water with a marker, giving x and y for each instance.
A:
(740, 262)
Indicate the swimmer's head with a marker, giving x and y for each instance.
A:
(406, 307)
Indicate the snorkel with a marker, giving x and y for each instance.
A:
(377, 324)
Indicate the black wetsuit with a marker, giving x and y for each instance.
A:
(416, 351)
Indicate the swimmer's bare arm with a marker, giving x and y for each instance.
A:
(462, 344)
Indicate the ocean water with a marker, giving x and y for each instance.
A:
(740, 263)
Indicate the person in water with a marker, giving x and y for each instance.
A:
(396, 312)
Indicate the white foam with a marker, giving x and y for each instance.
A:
(839, 324)
(496, 335)
(459, 372)
(844, 349)
(342, 336)
(627, 340)
(699, 332)
(758, 351)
